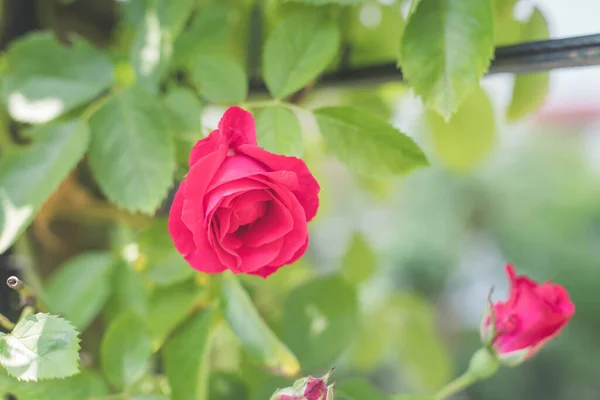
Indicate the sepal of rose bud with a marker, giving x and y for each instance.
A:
(487, 330)
(286, 394)
(514, 358)
(309, 388)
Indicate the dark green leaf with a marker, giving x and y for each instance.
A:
(45, 79)
(221, 80)
(225, 386)
(55, 151)
(132, 154)
(320, 320)
(186, 358)
(126, 350)
(83, 386)
(366, 143)
(530, 90)
(468, 137)
(359, 262)
(207, 34)
(256, 337)
(446, 47)
(278, 131)
(41, 346)
(298, 50)
(169, 307)
(80, 288)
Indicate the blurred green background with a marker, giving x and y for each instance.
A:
(395, 281)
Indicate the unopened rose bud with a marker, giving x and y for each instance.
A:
(533, 314)
(309, 388)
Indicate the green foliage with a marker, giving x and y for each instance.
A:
(468, 136)
(256, 337)
(40, 346)
(45, 79)
(126, 350)
(132, 152)
(298, 50)
(446, 48)
(278, 130)
(358, 389)
(320, 321)
(186, 358)
(80, 288)
(85, 385)
(530, 91)
(359, 262)
(56, 149)
(220, 80)
(366, 143)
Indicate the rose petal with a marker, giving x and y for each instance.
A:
(184, 239)
(269, 270)
(206, 146)
(251, 207)
(226, 193)
(277, 222)
(238, 127)
(254, 258)
(236, 167)
(308, 187)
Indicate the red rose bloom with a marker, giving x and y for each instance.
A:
(533, 314)
(241, 208)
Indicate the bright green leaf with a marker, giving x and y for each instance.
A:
(298, 50)
(55, 151)
(41, 346)
(151, 50)
(83, 386)
(323, 2)
(175, 14)
(359, 262)
(320, 320)
(530, 90)
(207, 34)
(278, 131)
(45, 79)
(132, 154)
(129, 292)
(221, 80)
(256, 337)
(359, 389)
(367, 143)
(446, 47)
(187, 358)
(164, 264)
(79, 289)
(187, 111)
(169, 307)
(468, 137)
(126, 350)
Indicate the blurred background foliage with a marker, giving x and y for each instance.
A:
(393, 285)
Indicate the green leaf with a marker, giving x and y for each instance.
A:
(175, 14)
(132, 154)
(221, 80)
(187, 358)
(468, 137)
(359, 389)
(446, 47)
(45, 79)
(83, 386)
(530, 90)
(129, 293)
(298, 49)
(126, 350)
(256, 337)
(278, 131)
(320, 320)
(359, 262)
(151, 50)
(323, 2)
(367, 143)
(169, 307)
(164, 264)
(41, 346)
(55, 151)
(79, 289)
(224, 386)
(207, 34)
(187, 111)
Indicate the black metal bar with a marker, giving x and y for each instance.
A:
(522, 58)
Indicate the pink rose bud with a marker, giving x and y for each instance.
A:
(309, 388)
(533, 314)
